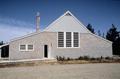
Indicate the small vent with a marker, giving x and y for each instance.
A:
(68, 14)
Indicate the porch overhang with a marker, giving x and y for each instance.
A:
(4, 45)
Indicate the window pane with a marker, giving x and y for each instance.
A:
(68, 39)
(22, 47)
(76, 39)
(60, 35)
(60, 39)
(68, 35)
(30, 47)
(75, 35)
(75, 43)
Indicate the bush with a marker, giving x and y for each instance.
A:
(68, 59)
(59, 58)
(80, 58)
(92, 58)
(107, 58)
(87, 58)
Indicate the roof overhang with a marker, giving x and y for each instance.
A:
(4, 45)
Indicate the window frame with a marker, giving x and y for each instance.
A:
(26, 47)
(78, 40)
(30, 49)
(72, 40)
(67, 39)
(63, 40)
(20, 47)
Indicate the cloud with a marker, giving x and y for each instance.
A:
(14, 22)
(11, 28)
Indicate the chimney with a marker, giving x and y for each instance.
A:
(38, 22)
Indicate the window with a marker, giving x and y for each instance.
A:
(76, 39)
(30, 47)
(26, 47)
(60, 39)
(68, 39)
(22, 47)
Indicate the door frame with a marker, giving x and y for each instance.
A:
(45, 51)
(49, 46)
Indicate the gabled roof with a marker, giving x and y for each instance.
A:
(27, 35)
(56, 26)
(67, 22)
(99, 37)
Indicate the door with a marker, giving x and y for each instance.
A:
(46, 51)
(5, 51)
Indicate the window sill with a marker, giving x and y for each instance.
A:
(67, 47)
(25, 50)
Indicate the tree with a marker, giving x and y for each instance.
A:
(116, 47)
(113, 35)
(90, 28)
(103, 35)
(99, 33)
(1, 43)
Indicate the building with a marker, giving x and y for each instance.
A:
(66, 36)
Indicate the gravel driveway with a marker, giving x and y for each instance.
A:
(69, 71)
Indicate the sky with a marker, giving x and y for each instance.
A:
(17, 17)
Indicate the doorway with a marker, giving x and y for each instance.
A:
(46, 51)
(5, 51)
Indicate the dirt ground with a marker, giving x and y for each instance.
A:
(67, 71)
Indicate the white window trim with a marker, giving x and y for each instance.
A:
(63, 40)
(78, 40)
(29, 49)
(20, 45)
(26, 47)
(72, 40)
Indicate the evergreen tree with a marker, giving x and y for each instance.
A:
(1, 43)
(116, 47)
(90, 28)
(99, 33)
(103, 35)
(112, 34)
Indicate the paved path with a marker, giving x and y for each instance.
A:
(72, 71)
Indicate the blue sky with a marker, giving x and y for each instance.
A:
(17, 17)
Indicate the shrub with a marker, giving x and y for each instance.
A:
(59, 58)
(86, 57)
(92, 58)
(107, 58)
(80, 58)
(68, 59)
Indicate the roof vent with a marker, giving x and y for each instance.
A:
(68, 14)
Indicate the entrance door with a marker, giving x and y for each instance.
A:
(5, 51)
(46, 51)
